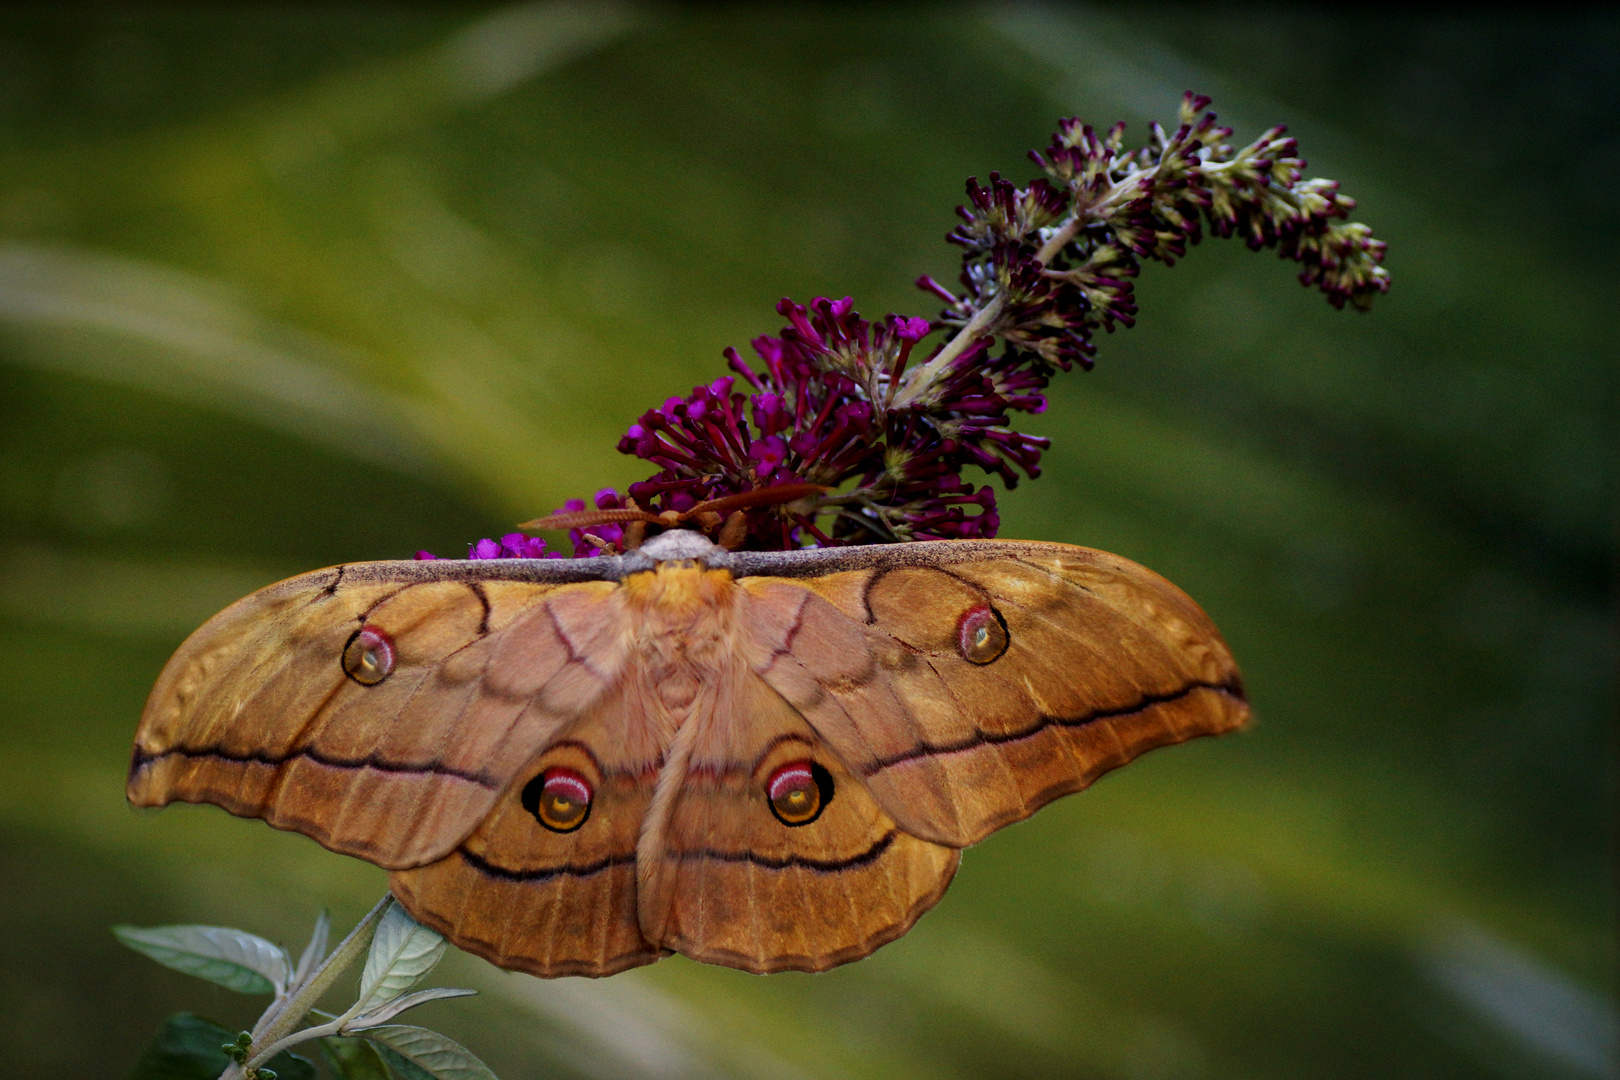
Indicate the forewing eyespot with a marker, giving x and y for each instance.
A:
(798, 792)
(560, 799)
(981, 636)
(369, 656)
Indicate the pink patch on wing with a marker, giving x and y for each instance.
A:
(793, 776)
(569, 784)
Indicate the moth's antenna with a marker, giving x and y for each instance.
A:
(767, 496)
(584, 519)
(709, 514)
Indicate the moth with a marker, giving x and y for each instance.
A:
(768, 760)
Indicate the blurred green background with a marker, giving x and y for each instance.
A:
(282, 287)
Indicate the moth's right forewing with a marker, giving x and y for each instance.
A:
(255, 712)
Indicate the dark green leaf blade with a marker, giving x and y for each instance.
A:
(354, 1059)
(401, 1067)
(190, 1047)
(186, 1047)
(289, 1066)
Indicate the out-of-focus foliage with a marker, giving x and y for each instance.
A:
(283, 287)
(188, 1047)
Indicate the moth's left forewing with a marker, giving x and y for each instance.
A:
(1116, 659)
(1102, 661)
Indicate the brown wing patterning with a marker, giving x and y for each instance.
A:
(682, 849)
(764, 760)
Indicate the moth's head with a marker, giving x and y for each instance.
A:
(677, 544)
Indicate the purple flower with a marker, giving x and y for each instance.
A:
(511, 546)
(821, 409)
(838, 404)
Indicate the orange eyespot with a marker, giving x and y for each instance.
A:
(560, 799)
(798, 792)
(368, 658)
(981, 636)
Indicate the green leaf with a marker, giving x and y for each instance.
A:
(188, 1047)
(289, 1066)
(354, 1059)
(431, 1055)
(231, 958)
(400, 1068)
(402, 952)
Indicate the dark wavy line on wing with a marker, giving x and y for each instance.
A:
(871, 854)
(140, 758)
(506, 873)
(1232, 689)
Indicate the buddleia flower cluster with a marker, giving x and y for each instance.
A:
(871, 436)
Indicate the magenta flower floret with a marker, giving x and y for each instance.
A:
(511, 546)
(596, 539)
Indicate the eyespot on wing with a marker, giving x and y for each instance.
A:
(559, 798)
(981, 635)
(369, 656)
(798, 792)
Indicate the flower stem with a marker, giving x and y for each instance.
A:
(279, 1020)
(1055, 244)
(987, 315)
(974, 330)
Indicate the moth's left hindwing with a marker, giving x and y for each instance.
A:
(799, 885)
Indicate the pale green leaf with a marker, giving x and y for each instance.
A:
(315, 951)
(234, 959)
(400, 1068)
(402, 951)
(442, 1058)
(388, 1010)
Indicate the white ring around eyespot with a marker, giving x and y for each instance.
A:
(575, 789)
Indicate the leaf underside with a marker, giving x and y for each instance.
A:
(401, 953)
(224, 956)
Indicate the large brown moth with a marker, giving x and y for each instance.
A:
(768, 760)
